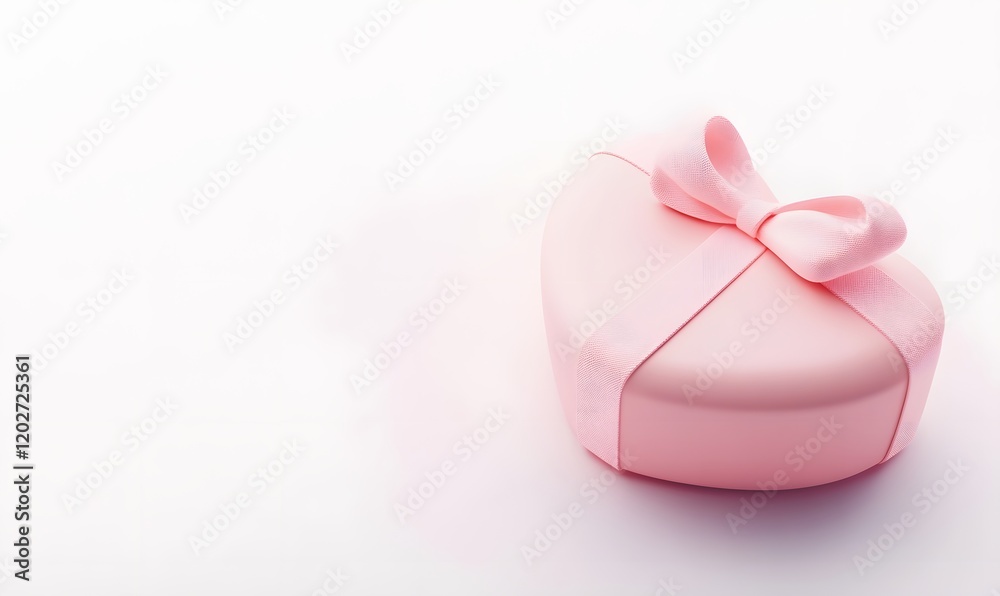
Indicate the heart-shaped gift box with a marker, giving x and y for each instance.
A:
(704, 333)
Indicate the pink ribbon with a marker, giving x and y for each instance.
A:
(819, 239)
(836, 241)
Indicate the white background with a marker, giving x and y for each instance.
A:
(332, 507)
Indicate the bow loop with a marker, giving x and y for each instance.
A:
(713, 179)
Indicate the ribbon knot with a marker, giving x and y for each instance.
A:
(820, 239)
(752, 214)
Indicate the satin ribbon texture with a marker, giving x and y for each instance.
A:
(836, 241)
(819, 239)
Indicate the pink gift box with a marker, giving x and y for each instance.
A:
(702, 332)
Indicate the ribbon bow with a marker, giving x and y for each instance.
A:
(820, 239)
